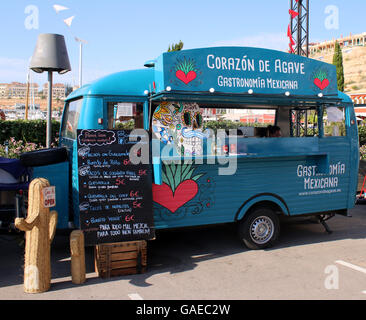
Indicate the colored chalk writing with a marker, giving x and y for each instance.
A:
(115, 196)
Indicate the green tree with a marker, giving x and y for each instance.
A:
(68, 89)
(176, 47)
(338, 62)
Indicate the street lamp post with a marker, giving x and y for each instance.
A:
(50, 55)
(81, 42)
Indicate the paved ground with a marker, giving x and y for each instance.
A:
(211, 263)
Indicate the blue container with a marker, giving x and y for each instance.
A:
(57, 175)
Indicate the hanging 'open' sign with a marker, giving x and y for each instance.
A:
(49, 197)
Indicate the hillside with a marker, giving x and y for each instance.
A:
(354, 62)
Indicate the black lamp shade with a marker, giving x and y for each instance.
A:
(50, 54)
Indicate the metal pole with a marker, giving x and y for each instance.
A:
(81, 66)
(306, 123)
(27, 99)
(307, 28)
(49, 111)
(291, 22)
(299, 27)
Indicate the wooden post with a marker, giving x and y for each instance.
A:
(77, 257)
(40, 228)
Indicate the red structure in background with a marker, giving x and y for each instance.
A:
(298, 29)
(359, 101)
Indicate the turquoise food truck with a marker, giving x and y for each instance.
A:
(243, 176)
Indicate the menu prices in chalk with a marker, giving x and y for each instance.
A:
(115, 196)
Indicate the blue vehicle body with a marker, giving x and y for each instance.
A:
(292, 175)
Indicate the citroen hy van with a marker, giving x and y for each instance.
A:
(241, 176)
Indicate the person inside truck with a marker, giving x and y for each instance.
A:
(274, 131)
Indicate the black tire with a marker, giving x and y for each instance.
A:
(43, 157)
(259, 229)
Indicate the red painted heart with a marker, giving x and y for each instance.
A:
(321, 84)
(164, 196)
(186, 78)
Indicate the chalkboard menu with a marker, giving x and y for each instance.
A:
(115, 196)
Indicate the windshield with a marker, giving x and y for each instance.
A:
(71, 119)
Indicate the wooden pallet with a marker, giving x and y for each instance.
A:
(117, 259)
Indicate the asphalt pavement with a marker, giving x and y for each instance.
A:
(212, 264)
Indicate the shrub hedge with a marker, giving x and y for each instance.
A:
(362, 134)
(29, 131)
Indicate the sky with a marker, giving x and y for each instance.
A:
(124, 34)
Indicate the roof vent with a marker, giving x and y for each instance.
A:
(150, 64)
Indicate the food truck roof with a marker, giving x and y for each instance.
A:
(225, 74)
(131, 83)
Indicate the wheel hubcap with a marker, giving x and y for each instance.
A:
(261, 230)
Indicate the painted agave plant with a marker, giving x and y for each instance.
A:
(186, 70)
(179, 186)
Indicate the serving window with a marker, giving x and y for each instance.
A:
(125, 115)
(249, 122)
(193, 129)
(185, 125)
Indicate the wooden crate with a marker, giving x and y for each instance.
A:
(117, 259)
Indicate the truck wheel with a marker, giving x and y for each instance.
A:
(260, 229)
(43, 157)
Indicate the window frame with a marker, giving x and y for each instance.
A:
(65, 119)
(110, 121)
(296, 127)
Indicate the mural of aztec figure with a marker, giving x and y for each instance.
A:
(180, 124)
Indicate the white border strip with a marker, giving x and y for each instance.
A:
(352, 266)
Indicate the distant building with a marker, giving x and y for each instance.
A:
(4, 90)
(58, 91)
(17, 90)
(328, 46)
(261, 118)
